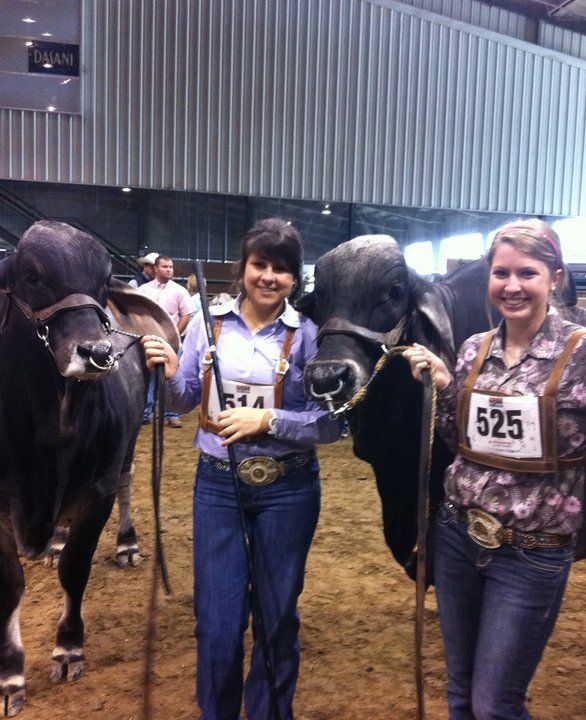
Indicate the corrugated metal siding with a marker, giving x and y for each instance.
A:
(481, 15)
(562, 40)
(370, 102)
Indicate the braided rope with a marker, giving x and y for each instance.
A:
(382, 361)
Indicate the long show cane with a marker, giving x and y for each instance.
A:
(256, 605)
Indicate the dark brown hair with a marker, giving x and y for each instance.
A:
(277, 241)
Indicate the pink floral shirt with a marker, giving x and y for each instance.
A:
(545, 502)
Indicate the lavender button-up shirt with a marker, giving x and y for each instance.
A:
(249, 358)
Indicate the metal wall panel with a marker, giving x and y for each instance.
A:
(562, 40)
(367, 101)
(480, 14)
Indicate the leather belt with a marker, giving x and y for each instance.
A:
(261, 469)
(487, 531)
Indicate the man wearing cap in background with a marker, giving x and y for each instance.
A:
(147, 273)
(176, 301)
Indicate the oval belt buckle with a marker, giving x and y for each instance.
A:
(258, 470)
(483, 528)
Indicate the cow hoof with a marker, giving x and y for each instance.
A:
(55, 547)
(12, 696)
(67, 665)
(52, 557)
(127, 555)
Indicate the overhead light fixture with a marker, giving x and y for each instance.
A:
(29, 43)
(47, 65)
(126, 189)
(28, 20)
(45, 34)
(64, 82)
(326, 210)
(51, 108)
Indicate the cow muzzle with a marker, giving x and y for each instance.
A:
(331, 383)
(99, 355)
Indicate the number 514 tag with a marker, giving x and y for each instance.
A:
(508, 426)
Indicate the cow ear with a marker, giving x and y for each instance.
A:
(431, 306)
(306, 305)
(136, 313)
(6, 273)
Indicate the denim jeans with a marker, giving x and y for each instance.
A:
(497, 610)
(150, 403)
(281, 520)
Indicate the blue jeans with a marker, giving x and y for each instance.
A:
(497, 610)
(150, 403)
(281, 520)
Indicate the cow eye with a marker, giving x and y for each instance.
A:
(396, 293)
(33, 278)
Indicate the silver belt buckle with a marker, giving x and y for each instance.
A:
(258, 470)
(483, 528)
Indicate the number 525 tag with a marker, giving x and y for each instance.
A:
(508, 426)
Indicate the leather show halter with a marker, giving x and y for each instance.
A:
(40, 320)
(387, 342)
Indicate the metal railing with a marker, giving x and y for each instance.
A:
(16, 216)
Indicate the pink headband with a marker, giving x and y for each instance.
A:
(538, 233)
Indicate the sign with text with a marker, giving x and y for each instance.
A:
(53, 58)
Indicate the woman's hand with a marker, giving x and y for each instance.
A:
(159, 351)
(420, 358)
(241, 422)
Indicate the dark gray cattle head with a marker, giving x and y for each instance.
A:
(60, 283)
(363, 290)
(55, 262)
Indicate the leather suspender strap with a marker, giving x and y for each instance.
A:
(558, 369)
(480, 358)
(282, 367)
(204, 422)
(552, 386)
(464, 399)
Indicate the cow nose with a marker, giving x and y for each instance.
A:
(330, 378)
(99, 354)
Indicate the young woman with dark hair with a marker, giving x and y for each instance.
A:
(263, 345)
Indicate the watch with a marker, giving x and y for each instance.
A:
(272, 425)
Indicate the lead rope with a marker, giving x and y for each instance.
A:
(428, 415)
(159, 564)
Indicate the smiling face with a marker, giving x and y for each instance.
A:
(519, 286)
(266, 283)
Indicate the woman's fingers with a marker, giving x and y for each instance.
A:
(420, 358)
(157, 351)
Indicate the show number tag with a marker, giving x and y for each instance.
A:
(506, 426)
(238, 394)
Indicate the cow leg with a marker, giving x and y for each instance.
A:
(12, 693)
(74, 571)
(126, 542)
(55, 546)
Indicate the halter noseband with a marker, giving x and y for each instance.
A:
(76, 301)
(387, 342)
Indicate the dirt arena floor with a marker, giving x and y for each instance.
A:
(356, 611)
